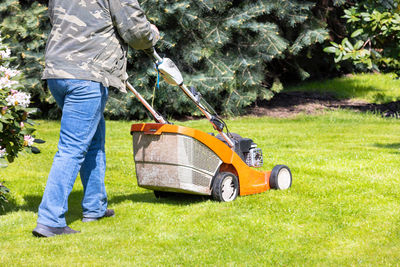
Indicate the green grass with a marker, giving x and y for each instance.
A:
(373, 88)
(343, 207)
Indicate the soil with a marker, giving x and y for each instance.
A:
(290, 104)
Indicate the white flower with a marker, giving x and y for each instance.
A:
(28, 140)
(2, 152)
(5, 53)
(9, 72)
(6, 83)
(18, 98)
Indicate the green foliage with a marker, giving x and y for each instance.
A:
(374, 41)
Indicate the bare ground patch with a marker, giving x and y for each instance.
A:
(291, 104)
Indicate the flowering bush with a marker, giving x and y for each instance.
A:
(15, 128)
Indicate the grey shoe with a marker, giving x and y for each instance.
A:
(47, 231)
(108, 213)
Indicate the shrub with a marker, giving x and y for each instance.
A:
(15, 130)
(374, 37)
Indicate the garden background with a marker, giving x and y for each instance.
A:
(298, 62)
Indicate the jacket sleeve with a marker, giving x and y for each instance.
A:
(132, 24)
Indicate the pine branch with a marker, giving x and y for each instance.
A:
(308, 38)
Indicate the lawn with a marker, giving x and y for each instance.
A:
(373, 88)
(343, 207)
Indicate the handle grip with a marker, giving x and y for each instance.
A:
(151, 52)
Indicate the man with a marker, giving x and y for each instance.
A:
(85, 54)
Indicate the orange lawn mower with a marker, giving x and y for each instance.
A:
(177, 159)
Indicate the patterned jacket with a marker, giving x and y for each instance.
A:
(89, 39)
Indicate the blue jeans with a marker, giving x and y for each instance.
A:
(80, 148)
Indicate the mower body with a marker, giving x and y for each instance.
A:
(174, 158)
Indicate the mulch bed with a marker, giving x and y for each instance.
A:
(289, 104)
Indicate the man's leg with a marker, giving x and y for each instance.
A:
(82, 111)
(94, 202)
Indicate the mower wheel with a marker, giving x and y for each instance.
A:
(161, 194)
(281, 177)
(225, 187)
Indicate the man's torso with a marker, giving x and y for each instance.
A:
(84, 43)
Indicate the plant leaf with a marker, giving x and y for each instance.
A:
(357, 33)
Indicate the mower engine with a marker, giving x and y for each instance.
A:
(246, 149)
(249, 152)
(254, 157)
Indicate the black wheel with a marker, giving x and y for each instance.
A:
(161, 194)
(225, 187)
(281, 177)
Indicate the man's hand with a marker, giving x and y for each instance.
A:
(156, 37)
(156, 33)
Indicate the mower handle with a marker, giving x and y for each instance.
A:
(156, 55)
(159, 118)
(210, 117)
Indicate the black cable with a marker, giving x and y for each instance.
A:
(226, 126)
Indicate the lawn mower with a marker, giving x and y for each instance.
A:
(177, 159)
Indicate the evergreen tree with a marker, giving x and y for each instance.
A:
(234, 52)
(24, 27)
(228, 50)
